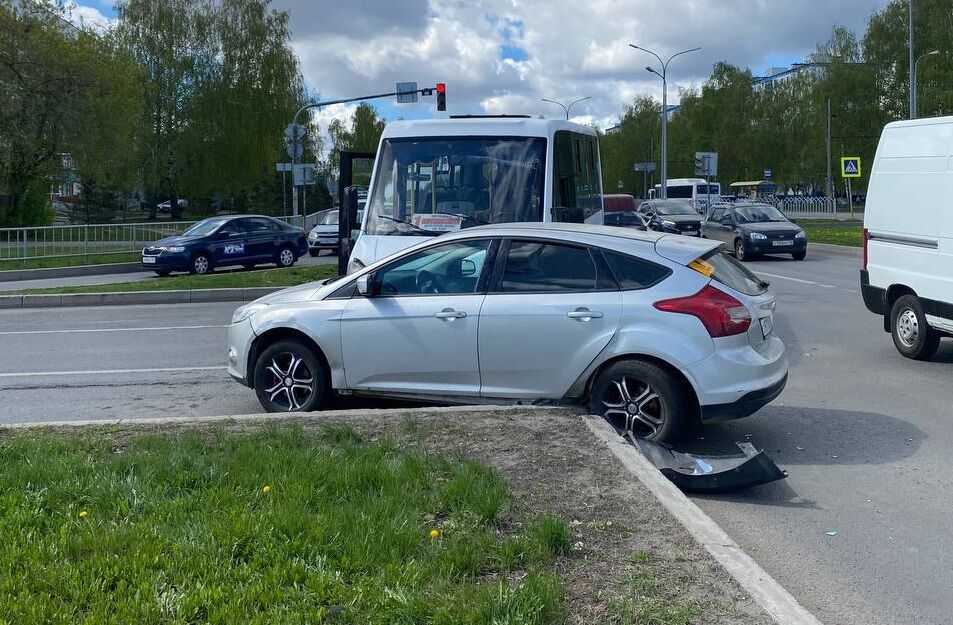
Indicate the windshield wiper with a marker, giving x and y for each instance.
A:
(415, 227)
(462, 216)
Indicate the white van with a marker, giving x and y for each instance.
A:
(908, 235)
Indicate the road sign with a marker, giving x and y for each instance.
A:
(850, 167)
(294, 132)
(406, 92)
(304, 174)
(283, 167)
(643, 166)
(768, 174)
(295, 150)
(706, 163)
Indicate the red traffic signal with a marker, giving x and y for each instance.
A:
(441, 96)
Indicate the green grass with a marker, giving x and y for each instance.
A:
(71, 261)
(835, 232)
(647, 603)
(234, 279)
(179, 529)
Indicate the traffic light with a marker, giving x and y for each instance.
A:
(441, 96)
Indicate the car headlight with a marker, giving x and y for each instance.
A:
(757, 235)
(354, 264)
(246, 311)
(800, 235)
(312, 235)
(174, 249)
(668, 222)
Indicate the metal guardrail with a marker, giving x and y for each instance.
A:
(97, 241)
(803, 205)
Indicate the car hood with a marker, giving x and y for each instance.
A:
(680, 219)
(772, 227)
(325, 229)
(302, 292)
(174, 240)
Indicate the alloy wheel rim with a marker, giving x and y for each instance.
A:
(286, 257)
(201, 264)
(636, 403)
(289, 382)
(908, 327)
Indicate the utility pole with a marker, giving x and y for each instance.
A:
(829, 190)
(913, 70)
(565, 107)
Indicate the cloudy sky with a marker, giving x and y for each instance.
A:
(502, 56)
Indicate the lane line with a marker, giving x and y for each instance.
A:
(91, 330)
(802, 281)
(39, 374)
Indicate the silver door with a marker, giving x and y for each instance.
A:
(550, 317)
(418, 332)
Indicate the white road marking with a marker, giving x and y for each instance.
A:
(802, 281)
(39, 374)
(91, 330)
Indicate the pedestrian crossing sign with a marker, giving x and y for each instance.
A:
(850, 167)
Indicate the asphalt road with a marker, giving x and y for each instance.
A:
(864, 433)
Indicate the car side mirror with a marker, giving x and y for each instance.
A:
(467, 268)
(366, 285)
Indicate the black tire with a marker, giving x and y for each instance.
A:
(162, 272)
(663, 415)
(740, 253)
(314, 253)
(285, 257)
(201, 264)
(912, 335)
(290, 360)
(249, 265)
(799, 255)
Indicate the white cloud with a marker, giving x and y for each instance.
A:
(88, 17)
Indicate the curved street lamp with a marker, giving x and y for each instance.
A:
(915, 83)
(566, 108)
(664, 76)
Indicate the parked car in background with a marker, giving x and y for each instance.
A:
(907, 274)
(165, 208)
(625, 219)
(245, 240)
(325, 235)
(650, 330)
(619, 202)
(672, 216)
(752, 229)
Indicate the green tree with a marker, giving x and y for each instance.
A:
(361, 134)
(64, 93)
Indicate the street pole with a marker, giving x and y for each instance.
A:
(916, 81)
(566, 108)
(913, 70)
(829, 191)
(664, 76)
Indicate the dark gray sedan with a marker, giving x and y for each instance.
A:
(753, 229)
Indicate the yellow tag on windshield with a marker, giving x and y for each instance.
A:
(702, 267)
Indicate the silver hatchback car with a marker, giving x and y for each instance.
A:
(652, 331)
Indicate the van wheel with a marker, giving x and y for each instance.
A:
(643, 398)
(912, 335)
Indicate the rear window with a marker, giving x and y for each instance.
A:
(733, 274)
(634, 273)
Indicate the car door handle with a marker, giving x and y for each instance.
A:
(584, 314)
(449, 314)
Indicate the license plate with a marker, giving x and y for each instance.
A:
(781, 243)
(690, 233)
(148, 260)
(767, 326)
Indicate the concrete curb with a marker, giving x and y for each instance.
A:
(14, 275)
(768, 593)
(838, 250)
(127, 298)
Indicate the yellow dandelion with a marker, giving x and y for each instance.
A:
(83, 514)
(266, 489)
(435, 533)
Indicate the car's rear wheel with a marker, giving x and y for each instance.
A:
(286, 257)
(289, 377)
(643, 398)
(912, 335)
(740, 253)
(248, 265)
(799, 255)
(201, 264)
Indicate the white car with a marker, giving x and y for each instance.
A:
(650, 330)
(325, 234)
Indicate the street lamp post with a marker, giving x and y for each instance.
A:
(915, 82)
(566, 108)
(912, 69)
(664, 76)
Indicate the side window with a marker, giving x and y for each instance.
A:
(231, 227)
(717, 214)
(534, 267)
(634, 273)
(576, 186)
(451, 269)
(257, 225)
(646, 208)
(564, 178)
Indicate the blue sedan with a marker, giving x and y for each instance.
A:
(245, 240)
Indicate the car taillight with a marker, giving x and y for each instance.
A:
(720, 313)
(866, 239)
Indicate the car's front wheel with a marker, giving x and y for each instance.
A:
(799, 255)
(740, 253)
(201, 264)
(286, 257)
(642, 398)
(289, 377)
(314, 253)
(912, 335)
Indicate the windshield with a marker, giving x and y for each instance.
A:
(675, 208)
(760, 213)
(204, 227)
(428, 186)
(702, 189)
(328, 218)
(679, 192)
